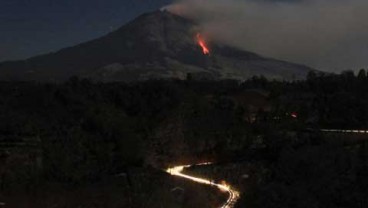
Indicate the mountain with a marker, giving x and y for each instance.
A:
(153, 46)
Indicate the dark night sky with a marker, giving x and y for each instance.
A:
(31, 27)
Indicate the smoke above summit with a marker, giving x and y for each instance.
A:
(331, 35)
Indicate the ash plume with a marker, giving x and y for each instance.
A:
(331, 35)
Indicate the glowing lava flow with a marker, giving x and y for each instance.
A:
(202, 43)
(233, 195)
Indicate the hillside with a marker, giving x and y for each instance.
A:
(155, 45)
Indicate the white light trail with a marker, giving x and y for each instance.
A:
(345, 131)
(233, 195)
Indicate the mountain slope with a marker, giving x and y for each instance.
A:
(155, 45)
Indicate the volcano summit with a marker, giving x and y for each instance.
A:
(157, 45)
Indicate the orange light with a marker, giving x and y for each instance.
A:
(202, 43)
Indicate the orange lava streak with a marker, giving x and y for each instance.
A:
(202, 43)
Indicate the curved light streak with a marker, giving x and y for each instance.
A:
(233, 194)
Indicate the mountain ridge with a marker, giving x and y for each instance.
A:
(155, 45)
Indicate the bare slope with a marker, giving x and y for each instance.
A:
(154, 45)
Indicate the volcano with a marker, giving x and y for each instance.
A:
(156, 45)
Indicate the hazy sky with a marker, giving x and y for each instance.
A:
(331, 35)
(326, 34)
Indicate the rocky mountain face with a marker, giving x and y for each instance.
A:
(155, 45)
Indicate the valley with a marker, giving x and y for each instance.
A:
(61, 142)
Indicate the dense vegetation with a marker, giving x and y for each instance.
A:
(80, 132)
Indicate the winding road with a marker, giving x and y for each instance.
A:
(233, 194)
